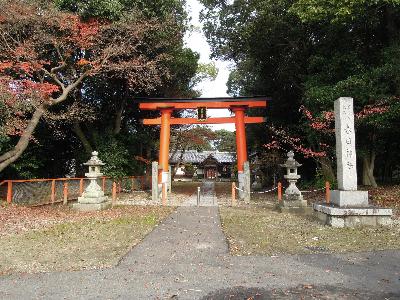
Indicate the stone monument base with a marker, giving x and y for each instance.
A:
(332, 215)
(349, 198)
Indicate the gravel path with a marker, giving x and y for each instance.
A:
(186, 257)
(207, 196)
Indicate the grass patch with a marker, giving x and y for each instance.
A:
(263, 231)
(88, 243)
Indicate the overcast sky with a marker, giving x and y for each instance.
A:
(197, 41)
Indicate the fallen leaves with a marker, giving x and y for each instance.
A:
(258, 230)
(55, 238)
(18, 219)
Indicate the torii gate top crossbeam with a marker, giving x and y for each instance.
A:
(193, 103)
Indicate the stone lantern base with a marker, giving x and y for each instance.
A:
(92, 200)
(293, 203)
(91, 206)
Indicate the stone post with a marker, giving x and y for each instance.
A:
(247, 181)
(169, 179)
(154, 181)
(241, 185)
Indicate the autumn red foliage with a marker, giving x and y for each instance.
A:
(45, 54)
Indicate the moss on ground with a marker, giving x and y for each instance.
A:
(263, 231)
(90, 243)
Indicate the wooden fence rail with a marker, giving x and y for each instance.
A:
(53, 190)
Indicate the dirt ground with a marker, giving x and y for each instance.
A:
(49, 238)
(261, 230)
(180, 193)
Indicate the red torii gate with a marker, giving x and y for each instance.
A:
(167, 105)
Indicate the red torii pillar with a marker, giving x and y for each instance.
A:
(241, 148)
(164, 150)
(241, 144)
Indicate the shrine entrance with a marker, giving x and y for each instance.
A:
(238, 105)
(210, 167)
(210, 172)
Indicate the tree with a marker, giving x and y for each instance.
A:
(365, 68)
(47, 54)
(309, 53)
(116, 116)
(225, 141)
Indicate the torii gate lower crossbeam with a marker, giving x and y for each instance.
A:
(238, 105)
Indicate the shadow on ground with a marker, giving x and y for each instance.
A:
(299, 292)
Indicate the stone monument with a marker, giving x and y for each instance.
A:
(349, 207)
(293, 197)
(93, 197)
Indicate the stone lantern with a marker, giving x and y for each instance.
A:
(93, 197)
(293, 196)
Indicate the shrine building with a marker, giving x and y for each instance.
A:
(196, 165)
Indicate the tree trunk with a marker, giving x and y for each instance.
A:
(391, 33)
(118, 117)
(9, 157)
(368, 170)
(327, 169)
(81, 135)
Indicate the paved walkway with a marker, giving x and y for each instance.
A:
(186, 257)
(207, 196)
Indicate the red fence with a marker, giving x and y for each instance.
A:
(47, 191)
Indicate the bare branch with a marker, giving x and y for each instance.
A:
(69, 88)
(55, 78)
(58, 68)
(59, 54)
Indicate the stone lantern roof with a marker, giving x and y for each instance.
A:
(94, 160)
(291, 162)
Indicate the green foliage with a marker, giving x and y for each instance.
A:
(206, 71)
(115, 154)
(184, 65)
(28, 166)
(116, 9)
(225, 141)
(336, 10)
(318, 181)
(108, 9)
(189, 169)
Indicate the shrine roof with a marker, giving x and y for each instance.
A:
(194, 156)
